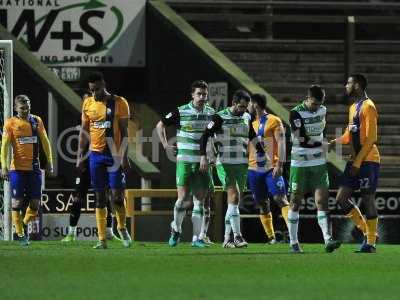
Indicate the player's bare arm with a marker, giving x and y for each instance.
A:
(82, 143)
(123, 125)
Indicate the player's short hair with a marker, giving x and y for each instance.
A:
(21, 99)
(95, 76)
(360, 79)
(260, 99)
(317, 92)
(201, 84)
(241, 95)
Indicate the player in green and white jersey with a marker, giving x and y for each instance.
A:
(308, 169)
(190, 120)
(230, 128)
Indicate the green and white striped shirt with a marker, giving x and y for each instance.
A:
(232, 138)
(307, 136)
(191, 124)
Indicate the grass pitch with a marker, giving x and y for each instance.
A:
(51, 270)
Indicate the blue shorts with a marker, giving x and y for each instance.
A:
(367, 179)
(263, 185)
(26, 184)
(103, 173)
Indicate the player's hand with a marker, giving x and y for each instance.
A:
(277, 171)
(125, 164)
(203, 164)
(4, 174)
(331, 145)
(80, 164)
(212, 163)
(171, 149)
(354, 171)
(49, 169)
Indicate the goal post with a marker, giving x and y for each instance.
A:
(6, 99)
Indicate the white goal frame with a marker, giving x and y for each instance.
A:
(7, 47)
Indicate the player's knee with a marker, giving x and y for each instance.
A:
(77, 198)
(118, 200)
(370, 211)
(179, 205)
(16, 204)
(233, 197)
(321, 205)
(371, 215)
(281, 201)
(76, 203)
(294, 206)
(264, 207)
(186, 205)
(346, 206)
(101, 202)
(34, 204)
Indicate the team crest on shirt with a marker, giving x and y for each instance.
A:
(108, 111)
(297, 123)
(168, 116)
(210, 125)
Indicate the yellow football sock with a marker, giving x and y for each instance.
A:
(30, 214)
(266, 221)
(17, 221)
(120, 214)
(101, 220)
(285, 212)
(372, 226)
(358, 219)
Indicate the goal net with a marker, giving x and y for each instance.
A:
(6, 96)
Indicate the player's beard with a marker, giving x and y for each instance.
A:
(351, 93)
(101, 96)
(23, 113)
(200, 104)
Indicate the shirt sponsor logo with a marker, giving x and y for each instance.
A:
(102, 124)
(27, 140)
(193, 126)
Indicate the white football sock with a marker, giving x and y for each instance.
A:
(197, 218)
(293, 220)
(205, 223)
(179, 215)
(109, 232)
(235, 219)
(228, 227)
(323, 222)
(72, 230)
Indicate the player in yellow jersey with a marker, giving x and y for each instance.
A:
(23, 133)
(105, 120)
(362, 171)
(265, 169)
